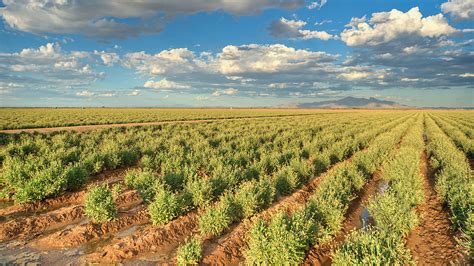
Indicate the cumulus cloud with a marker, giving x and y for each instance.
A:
(165, 84)
(84, 93)
(103, 19)
(459, 9)
(49, 64)
(88, 94)
(386, 27)
(317, 5)
(109, 59)
(292, 29)
(229, 91)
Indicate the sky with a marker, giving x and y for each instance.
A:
(245, 53)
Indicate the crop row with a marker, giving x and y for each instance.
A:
(40, 166)
(462, 126)
(460, 139)
(282, 171)
(454, 180)
(392, 211)
(14, 118)
(286, 237)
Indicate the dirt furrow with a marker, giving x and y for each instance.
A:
(160, 239)
(72, 237)
(432, 241)
(28, 227)
(321, 255)
(68, 198)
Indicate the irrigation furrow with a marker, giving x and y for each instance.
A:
(432, 241)
(30, 226)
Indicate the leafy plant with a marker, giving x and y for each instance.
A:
(190, 252)
(99, 204)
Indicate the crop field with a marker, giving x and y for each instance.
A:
(286, 187)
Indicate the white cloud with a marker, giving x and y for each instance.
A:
(134, 93)
(467, 75)
(229, 91)
(235, 60)
(287, 28)
(85, 93)
(385, 27)
(317, 5)
(201, 98)
(109, 59)
(459, 9)
(101, 19)
(165, 84)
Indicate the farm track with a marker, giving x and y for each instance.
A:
(432, 241)
(84, 128)
(30, 227)
(69, 198)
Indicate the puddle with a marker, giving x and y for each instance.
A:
(93, 245)
(128, 231)
(6, 203)
(365, 218)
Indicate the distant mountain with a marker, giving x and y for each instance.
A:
(353, 102)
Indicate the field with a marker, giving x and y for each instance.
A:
(244, 186)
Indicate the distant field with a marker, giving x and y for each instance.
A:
(330, 182)
(15, 118)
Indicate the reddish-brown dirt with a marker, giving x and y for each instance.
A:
(68, 198)
(150, 239)
(29, 226)
(321, 255)
(71, 237)
(432, 241)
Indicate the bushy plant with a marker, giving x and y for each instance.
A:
(284, 241)
(190, 252)
(218, 218)
(99, 204)
(146, 183)
(164, 208)
(254, 196)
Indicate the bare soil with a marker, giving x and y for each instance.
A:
(159, 239)
(432, 242)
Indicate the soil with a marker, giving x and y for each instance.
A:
(157, 239)
(321, 255)
(22, 227)
(432, 242)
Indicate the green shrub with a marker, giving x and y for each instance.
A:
(189, 253)
(99, 204)
(76, 177)
(218, 218)
(146, 183)
(202, 192)
(372, 247)
(164, 208)
(282, 242)
(254, 196)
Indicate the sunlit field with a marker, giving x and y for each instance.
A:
(284, 187)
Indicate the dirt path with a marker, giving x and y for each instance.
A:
(91, 127)
(432, 242)
(321, 255)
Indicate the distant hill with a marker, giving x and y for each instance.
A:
(353, 102)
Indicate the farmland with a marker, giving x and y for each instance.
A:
(286, 186)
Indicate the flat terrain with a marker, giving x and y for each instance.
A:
(326, 179)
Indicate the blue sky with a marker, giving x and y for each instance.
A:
(235, 53)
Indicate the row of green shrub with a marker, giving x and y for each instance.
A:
(270, 243)
(256, 195)
(392, 211)
(462, 141)
(454, 181)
